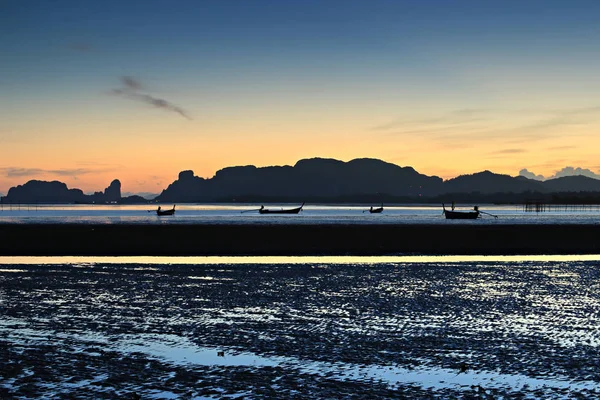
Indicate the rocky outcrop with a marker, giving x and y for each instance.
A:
(113, 192)
(36, 191)
(187, 188)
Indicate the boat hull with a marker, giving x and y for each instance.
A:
(461, 214)
(166, 212)
(291, 211)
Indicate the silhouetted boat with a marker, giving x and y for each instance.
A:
(165, 212)
(461, 214)
(377, 210)
(296, 210)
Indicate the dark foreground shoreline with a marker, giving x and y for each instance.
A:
(518, 330)
(290, 240)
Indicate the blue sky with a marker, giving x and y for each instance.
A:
(330, 72)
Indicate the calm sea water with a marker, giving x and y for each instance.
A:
(312, 214)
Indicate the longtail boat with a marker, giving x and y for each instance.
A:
(296, 210)
(461, 214)
(165, 212)
(377, 210)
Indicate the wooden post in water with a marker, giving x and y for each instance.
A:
(534, 205)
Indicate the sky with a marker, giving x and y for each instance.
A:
(92, 91)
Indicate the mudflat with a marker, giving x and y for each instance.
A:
(445, 330)
(338, 239)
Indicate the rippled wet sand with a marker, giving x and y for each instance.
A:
(440, 330)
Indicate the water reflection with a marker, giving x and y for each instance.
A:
(180, 351)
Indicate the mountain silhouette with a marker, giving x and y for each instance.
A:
(44, 192)
(35, 191)
(489, 182)
(322, 180)
(308, 178)
(577, 183)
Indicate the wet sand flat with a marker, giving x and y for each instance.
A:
(214, 239)
(440, 330)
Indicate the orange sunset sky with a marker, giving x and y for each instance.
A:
(93, 91)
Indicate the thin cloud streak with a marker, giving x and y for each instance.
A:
(131, 90)
(12, 172)
(502, 154)
(131, 83)
(509, 151)
(454, 118)
(474, 124)
(99, 164)
(561, 148)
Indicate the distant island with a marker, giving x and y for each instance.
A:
(321, 180)
(56, 192)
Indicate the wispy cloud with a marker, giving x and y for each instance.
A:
(509, 151)
(560, 148)
(131, 83)
(12, 172)
(112, 166)
(512, 126)
(504, 153)
(451, 119)
(132, 89)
